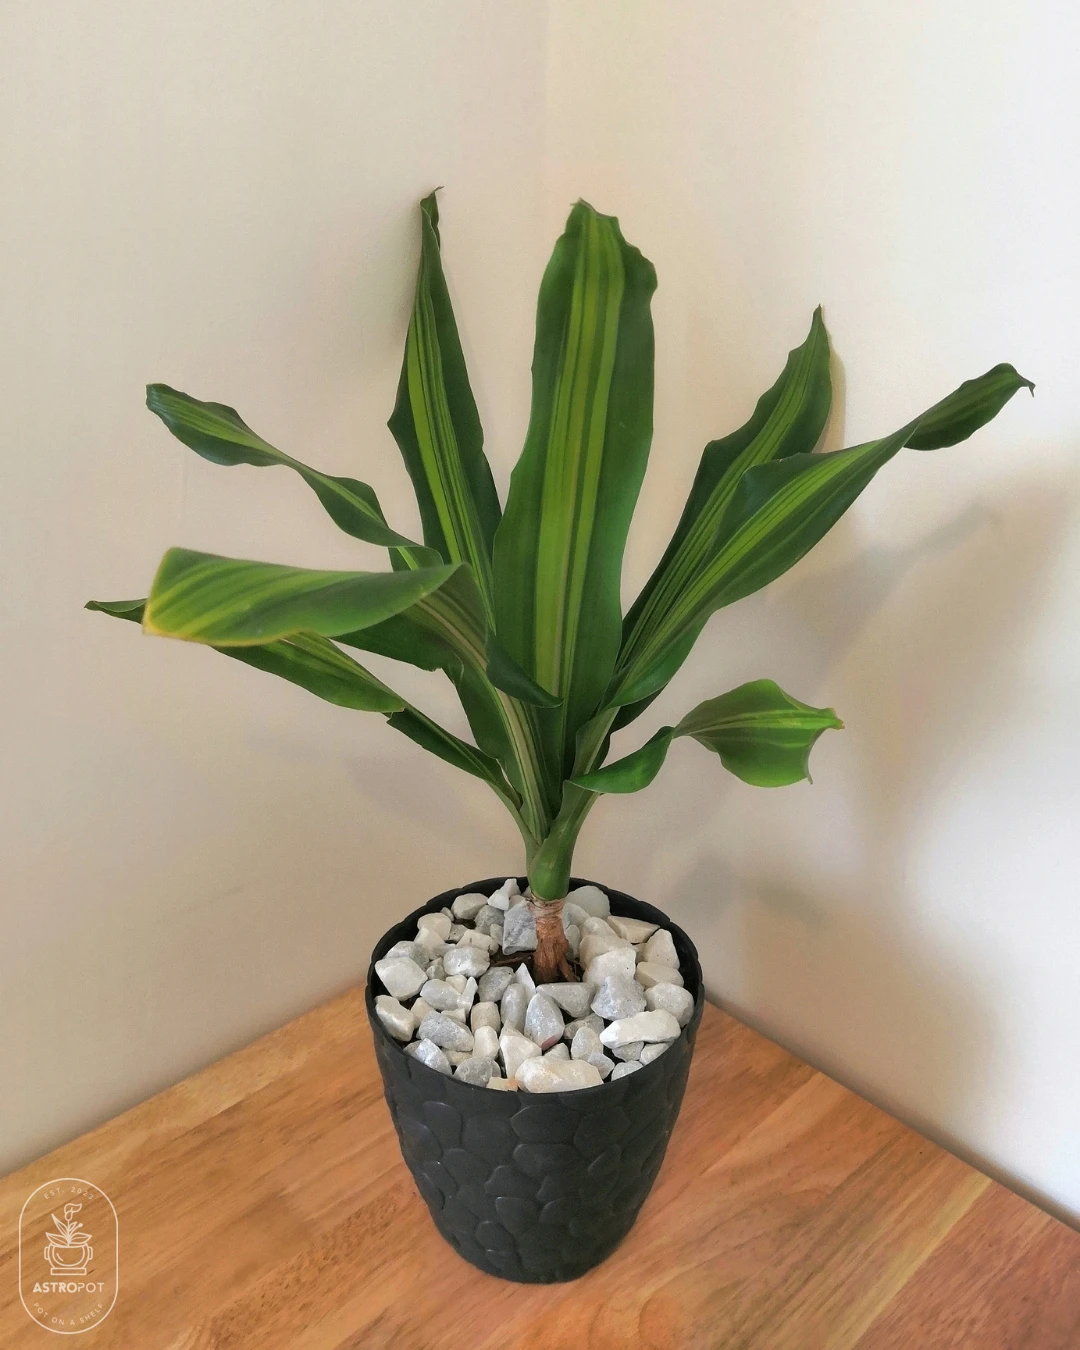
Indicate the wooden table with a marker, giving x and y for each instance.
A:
(263, 1203)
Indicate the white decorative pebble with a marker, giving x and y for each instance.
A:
(560, 1051)
(493, 984)
(660, 950)
(573, 916)
(399, 1021)
(457, 982)
(515, 1050)
(488, 916)
(646, 1026)
(408, 951)
(420, 1009)
(621, 1070)
(619, 996)
(592, 1021)
(456, 930)
(593, 944)
(503, 896)
(476, 1070)
(496, 933)
(467, 907)
(468, 994)
(449, 1034)
(557, 1075)
(503, 1084)
(523, 975)
(466, 961)
(618, 962)
(571, 996)
(436, 971)
(514, 1003)
(401, 976)
(592, 900)
(600, 1061)
(457, 1057)
(485, 1015)
(631, 1051)
(427, 1052)
(586, 1042)
(458, 1014)
(543, 1021)
(439, 923)
(593, 926)
(679, 1002)
(573, 940)
(485, 1042)
(634, 930)
(440, 995)
(471, 938)
(647, 974)
(519, 930)
(651, 1052)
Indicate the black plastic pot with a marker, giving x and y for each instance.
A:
(535, 1188)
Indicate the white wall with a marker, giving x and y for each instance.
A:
(910, 921)
(224, 200)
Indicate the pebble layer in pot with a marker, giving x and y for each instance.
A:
(533, 1149)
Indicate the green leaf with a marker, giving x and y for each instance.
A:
(761, 734)
(304, 659)
(202, 597)
(788, 420)
(634, 771)
(505, 674)
(559, 548)
(436, 425)
(778, 513)
(219, 434)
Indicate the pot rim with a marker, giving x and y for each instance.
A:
(488, 886)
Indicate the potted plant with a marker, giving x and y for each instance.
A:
(68, 1250)
(520, 608)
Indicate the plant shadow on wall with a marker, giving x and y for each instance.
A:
(520, 606)
(852, 960)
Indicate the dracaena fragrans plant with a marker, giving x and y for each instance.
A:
(520, 606)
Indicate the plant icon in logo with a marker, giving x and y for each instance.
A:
(68, 1250)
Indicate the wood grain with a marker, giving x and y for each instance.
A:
(263, 1203)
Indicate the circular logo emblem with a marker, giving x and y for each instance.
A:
(68, 1256)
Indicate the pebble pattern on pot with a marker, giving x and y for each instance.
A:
(462, 998)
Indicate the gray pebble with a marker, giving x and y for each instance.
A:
(441, 996)
(621, 1070)
(678, 1002)
(586, 1042)
(493, 984)
(486, 917)
(475, 1070)
(651, 1052)
(592, 1021)
(436, 971)
(485, 1014)
(409, 951)
(519, 930)
(446, 1033)
(427, 1052)
(631, 1051)
(600, 1061)
(513, 1006)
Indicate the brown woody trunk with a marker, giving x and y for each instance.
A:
(551, 960)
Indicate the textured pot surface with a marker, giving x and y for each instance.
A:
(536, 1188)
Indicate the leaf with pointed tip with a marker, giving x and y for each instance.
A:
(761, 734)
(778, 513)
(202, 597)
(559, 548)
(788, 420)
(436, 425)
(219, 434)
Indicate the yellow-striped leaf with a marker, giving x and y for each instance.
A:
(559, 548)
(778, 513)
(436, 425)
(202, 597)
